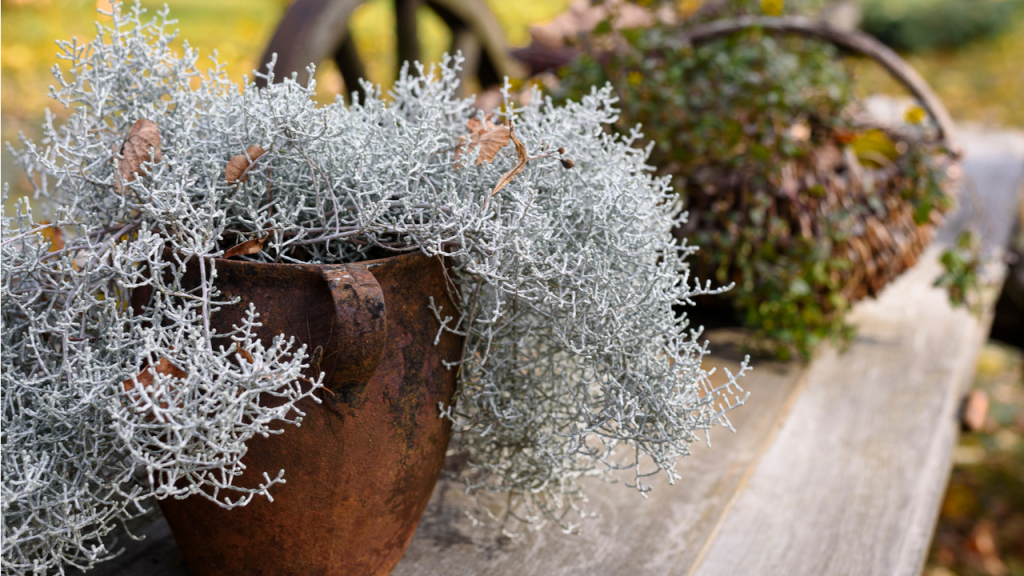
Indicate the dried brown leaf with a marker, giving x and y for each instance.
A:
(522, 159)
(489, 137)
(239, 164)
(243, 353)
(146, 377)
(975, 410)
(246, 248)
(135, 150)
(475, 125)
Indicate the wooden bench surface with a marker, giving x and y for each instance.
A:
(836, 467)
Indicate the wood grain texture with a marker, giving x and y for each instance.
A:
(633, 535)
(854, 481)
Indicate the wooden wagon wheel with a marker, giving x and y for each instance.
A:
(313, 30)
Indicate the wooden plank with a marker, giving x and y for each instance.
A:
(854, 481)
(633, 535)
(994, 168)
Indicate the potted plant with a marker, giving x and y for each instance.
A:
(801, 199)
(217, 275)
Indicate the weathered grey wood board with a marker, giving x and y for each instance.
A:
(631, 534)
(447, 543)
(994, 169)
(837, 467)
(854, 481)
(855, 478)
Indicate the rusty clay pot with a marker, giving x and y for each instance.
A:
(364, 462)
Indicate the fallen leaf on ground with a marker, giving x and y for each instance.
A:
(489, 137)
(516, 170)
(246, 248)
(135, 150)
(239, 164)
(975, 410)
(800, 132)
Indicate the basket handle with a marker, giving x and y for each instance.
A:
(854, 40)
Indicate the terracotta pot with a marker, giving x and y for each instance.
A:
(363, 464)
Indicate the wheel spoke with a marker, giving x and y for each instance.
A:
(350, 66)
(405, 31)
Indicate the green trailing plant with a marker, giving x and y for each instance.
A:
(557, 235)
(791, 194)
(961, 265)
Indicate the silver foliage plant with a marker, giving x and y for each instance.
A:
(575, 362)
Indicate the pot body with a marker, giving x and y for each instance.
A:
(362, 465)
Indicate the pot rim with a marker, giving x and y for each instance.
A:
(230, 263)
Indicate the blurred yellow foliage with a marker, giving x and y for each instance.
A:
(914, 115)
(960, 501)
(687, 8)
(773, 7)
(874, 148)
(980, 82)
(237, 29)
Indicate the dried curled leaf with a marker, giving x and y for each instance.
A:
(146, 377)
(522, 159)
(974, 410)
(486, 135)
(248, 247)
(874, 148)
(135, 150)
(243, 353)
(237, 166)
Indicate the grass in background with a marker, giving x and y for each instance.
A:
(981, 82)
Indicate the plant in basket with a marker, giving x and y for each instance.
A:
(270, 316)
(797, 196)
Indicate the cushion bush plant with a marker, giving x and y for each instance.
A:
(567, 278)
